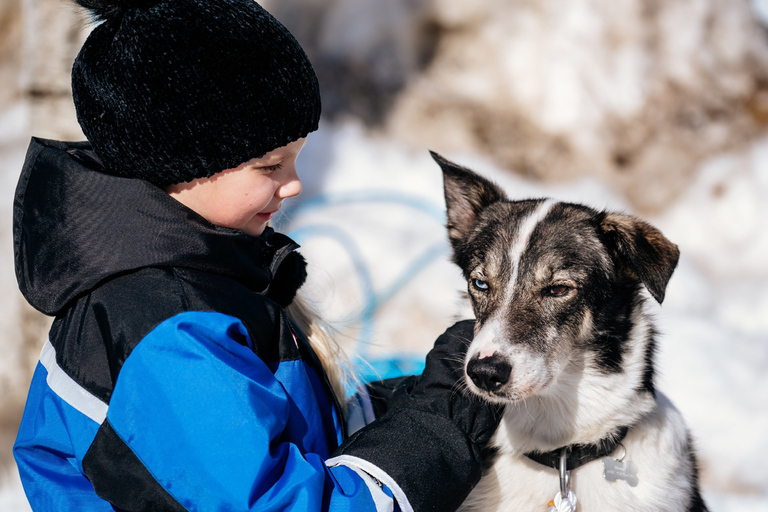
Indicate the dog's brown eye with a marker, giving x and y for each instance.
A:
(558, 290)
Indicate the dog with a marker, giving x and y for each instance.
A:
(564, 341)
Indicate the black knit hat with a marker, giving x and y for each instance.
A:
(173, 90)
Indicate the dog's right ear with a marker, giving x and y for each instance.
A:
(466, 195)
(637, 245)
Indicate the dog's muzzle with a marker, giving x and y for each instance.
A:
(489, 373)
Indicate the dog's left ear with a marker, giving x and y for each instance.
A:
(466, 195)
(643, 249)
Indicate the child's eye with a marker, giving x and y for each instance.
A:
(271, 168)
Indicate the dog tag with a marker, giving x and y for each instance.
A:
(618, 470)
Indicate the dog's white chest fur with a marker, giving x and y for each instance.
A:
(657, 444)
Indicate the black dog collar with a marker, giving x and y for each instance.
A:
(580, 454)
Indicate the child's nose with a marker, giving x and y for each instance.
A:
(291, 186)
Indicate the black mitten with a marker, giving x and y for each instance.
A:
(384, 394)
(432, 440)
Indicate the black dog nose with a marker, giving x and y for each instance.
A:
(489, 373)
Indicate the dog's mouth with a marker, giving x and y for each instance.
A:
(496, 379)
(505, 395)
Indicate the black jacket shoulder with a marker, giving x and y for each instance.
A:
(95, 336)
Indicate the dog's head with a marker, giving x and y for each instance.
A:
(549, 282)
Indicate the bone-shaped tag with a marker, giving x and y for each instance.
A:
(616, 470)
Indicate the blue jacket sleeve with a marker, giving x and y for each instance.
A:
(209, 426)
(51, 442)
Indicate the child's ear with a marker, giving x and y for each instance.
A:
(466, 195)
(642, 249)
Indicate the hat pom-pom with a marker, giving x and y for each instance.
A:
(105, 9)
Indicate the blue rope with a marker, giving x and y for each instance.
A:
(366, 315)
(372, 301)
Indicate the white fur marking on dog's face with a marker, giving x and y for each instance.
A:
(524, 232)
(485, 340)
(531, 371)
(488, 350)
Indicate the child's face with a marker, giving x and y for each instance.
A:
(247, 196)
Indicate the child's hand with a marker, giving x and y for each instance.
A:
(432, 440)
(441, 388)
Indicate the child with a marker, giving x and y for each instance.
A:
(173, 377)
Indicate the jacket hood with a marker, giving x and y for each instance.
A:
(76, 226)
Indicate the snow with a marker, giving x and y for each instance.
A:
(12, 150)
(376, 204)
(12, 497)
(371, 217)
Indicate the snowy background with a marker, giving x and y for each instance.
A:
(659, 111)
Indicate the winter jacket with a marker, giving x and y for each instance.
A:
(172, 378)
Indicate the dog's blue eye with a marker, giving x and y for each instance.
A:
(479, 284)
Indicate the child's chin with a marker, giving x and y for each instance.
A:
(255, 228)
